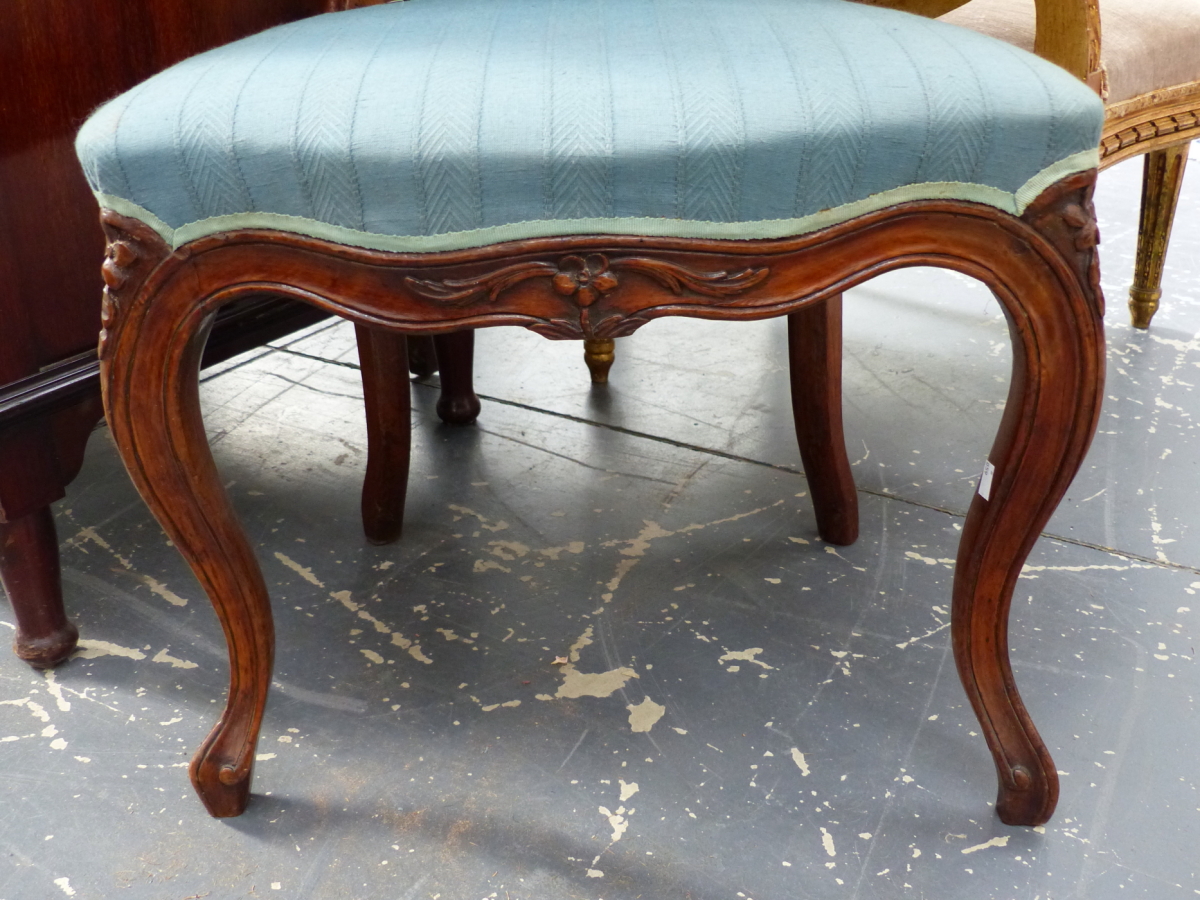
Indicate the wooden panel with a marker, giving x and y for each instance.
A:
(62, 58)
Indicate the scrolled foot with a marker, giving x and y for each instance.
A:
(223, 786)
(1025, 798)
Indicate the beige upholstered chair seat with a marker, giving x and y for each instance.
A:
(1147, 44)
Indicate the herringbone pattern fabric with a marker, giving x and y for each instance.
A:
(455, 118)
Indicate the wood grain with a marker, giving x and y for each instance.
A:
(815, 363)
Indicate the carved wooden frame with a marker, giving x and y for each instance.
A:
(159, 304)
(1150, 122)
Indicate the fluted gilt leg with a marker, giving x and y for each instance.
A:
(1161, 180)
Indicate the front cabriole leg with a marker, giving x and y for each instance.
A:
(1055, 313)
(154, 331)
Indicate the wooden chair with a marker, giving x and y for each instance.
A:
(1144, 57)
(403, 167)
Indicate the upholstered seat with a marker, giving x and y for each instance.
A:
(1147, 45)
(443, 124)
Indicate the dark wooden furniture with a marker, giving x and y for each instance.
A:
(62, 58)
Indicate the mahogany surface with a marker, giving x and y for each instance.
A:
(1042, 268)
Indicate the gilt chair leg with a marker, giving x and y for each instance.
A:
(815, 356)
(1161, 180)
(388, 401)
(457, 404)
(599, 354)
(422, 357)
(29, 569)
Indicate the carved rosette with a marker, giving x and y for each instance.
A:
(585, 279)
(1065, 215)
(134, 249)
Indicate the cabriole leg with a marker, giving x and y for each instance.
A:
(422, 359)
(152, 401)
(149, 365)
(815, 357)
(1055, 316)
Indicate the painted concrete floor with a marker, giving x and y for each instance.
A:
(746, 713)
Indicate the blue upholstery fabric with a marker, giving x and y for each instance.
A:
(438, 124)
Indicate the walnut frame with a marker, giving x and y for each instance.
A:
(1042, 268)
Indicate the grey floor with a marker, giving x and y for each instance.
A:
(744, 712)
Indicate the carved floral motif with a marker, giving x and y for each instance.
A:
(1066, 216)
(584, 278)
(120, 256)
(133, 250)
(588, 278)
(1082, 217)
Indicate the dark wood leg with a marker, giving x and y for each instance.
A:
(1055, 314)
(158, 428)
(599, 353)
(30, 573)
(1161, 179)
(149, 363)
(458, 404)
(388, 402)
(815, 357)
(422, 357)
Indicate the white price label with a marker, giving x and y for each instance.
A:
(985, 480)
